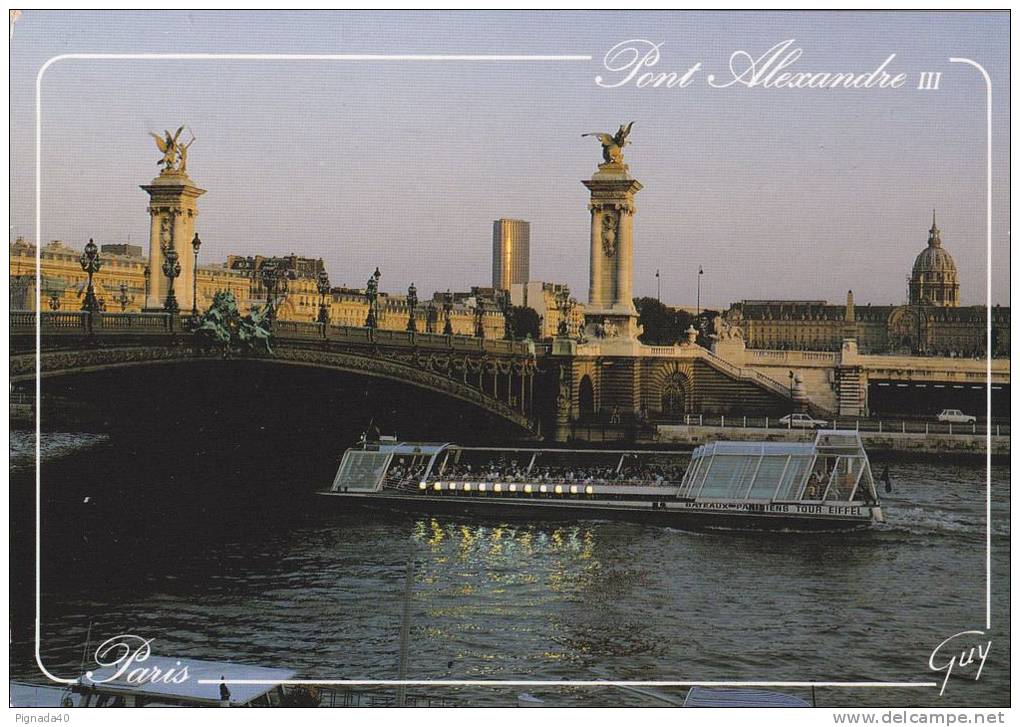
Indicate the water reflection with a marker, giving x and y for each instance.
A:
(276, 578)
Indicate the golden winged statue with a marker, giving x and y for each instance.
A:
(612, 144)
(169, 146)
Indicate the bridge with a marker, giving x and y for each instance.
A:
(566, 389)
(498, 377)
(542, 389)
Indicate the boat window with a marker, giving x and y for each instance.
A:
(406, 471)
(699, 482)
(789, 487)
(769, 474)
(360, 470)
(818, 479)
(844, 478)
(745, 475)
(865, 489)
(728, 476)
(691, 476)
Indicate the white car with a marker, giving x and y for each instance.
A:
(955, 416)
(802, 421)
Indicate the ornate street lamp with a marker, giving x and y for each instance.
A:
(563, 305)
(322, 284)
(447, 311)
(412, 303)
(270, 274)
(371, 295)
(504, 304)
(171, 269)
(430, 317)
(249, 266)
(54, 291)
(195, 244)
(147, 273)
(90, 263)
(479, 319)
(123, 298)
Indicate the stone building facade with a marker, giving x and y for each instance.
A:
(297, 299)
(932, 322)
(544, 299)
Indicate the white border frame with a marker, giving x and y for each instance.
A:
(475, 682)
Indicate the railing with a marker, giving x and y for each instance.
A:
(793, 357)
(49, 319)
(744, 373)
(133, 322)
(880, 426)
(158, 322)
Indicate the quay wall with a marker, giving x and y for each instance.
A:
(919, 443)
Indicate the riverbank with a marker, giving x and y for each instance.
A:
(875, 442)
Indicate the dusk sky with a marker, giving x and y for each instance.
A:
(777, 193)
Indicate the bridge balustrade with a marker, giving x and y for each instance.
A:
(297, 329)
(23, 319)
(67, 320)
(133, 322)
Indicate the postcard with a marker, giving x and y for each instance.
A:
(441, 359)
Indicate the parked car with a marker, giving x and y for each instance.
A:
(802, 421)
(955, 416)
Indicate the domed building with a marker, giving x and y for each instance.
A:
(933, 280)
(932, 323)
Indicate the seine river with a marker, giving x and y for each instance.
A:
(219, 549)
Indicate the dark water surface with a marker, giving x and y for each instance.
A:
(219, 549)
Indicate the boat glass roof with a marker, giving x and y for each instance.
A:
(190, 690)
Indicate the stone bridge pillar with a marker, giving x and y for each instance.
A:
(610, 310)
(173, 199)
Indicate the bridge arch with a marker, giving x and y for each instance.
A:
(426, 372)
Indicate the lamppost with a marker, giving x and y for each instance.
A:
(54, 291)
(412, 303)
(371, 294)
(147, 273)
(430, 317)
(123, 298)
(504, 301)
(171, 269)
(249, 266)
(270, 274)
(322, 284)
(195, 244)
(90, 263)
(701, 272)
(479, 319)
(563, 306)
(447, 311)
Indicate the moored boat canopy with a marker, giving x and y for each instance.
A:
(200, 687)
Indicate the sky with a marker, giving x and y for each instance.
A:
(775, 193)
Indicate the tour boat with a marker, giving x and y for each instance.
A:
(826, 484)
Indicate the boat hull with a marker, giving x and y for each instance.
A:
(686, 516)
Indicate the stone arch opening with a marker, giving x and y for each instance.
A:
(670, 394)
(586, 397)
(674, 399)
